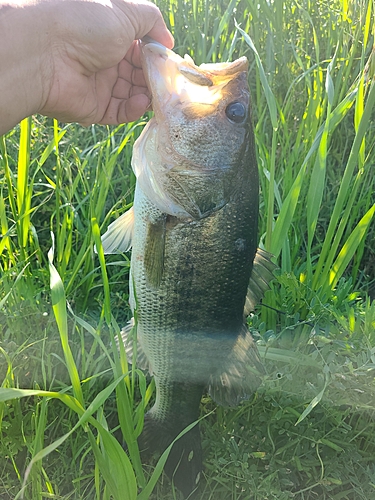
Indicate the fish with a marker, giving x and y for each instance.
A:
(196, 270)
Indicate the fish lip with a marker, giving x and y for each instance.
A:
(154, 57)
(161, 95)
(149, 48)
(148, 43)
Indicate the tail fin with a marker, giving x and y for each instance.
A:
(184, 463)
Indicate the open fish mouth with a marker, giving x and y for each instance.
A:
(176, 81)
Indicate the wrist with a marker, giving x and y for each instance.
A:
(25, 60)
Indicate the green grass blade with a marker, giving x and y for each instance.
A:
(285, 218)
(146, 492)
(59, 309)
(313, 403)
(23, 187)
(125, 406)
(287, 356)
(50, 148)
(271, 101)
(318, 175)
(8, 176)
(114, 465)
(222, 25)
(99, 249)
(337, 222)
(272, 107)
(350, 247)
(4, 299)
(85, 415)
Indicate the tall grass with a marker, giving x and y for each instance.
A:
(67, 391)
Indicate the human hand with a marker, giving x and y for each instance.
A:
(94, 70)
(75, 60)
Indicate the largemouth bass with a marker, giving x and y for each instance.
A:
(193, 233)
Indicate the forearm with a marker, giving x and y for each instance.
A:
(23, 52)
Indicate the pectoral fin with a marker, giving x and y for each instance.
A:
(118, 237)
(154, 252)
(261, 275)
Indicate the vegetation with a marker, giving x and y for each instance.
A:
(309, 432)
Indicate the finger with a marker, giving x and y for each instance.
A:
(133, 55)
(161, 34)
(134, 75)
(125, 110)
(148, 21)
(123, 89)
(133, 108)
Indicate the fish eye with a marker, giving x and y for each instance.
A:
(236, 112)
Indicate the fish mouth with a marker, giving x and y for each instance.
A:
(176, 81)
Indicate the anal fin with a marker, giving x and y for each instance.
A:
(127, 337)
(239, 375)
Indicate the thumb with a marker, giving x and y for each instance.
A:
(146, 19)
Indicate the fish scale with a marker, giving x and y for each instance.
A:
(193, 231)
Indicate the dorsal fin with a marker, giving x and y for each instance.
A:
(261, 275)
(118, 237)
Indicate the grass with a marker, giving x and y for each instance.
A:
(68, 397)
